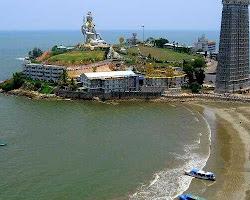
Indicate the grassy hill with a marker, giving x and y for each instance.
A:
(162, 54)
(76, 58)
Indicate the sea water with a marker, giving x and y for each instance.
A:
(93, 151)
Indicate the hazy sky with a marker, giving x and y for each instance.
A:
(110, 14)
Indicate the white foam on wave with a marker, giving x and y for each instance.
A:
(169, 184)
(22, 59)
(155, 180)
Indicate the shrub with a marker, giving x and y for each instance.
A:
(160, 42)
(195, 87)
(37, 85)
(15, 83)
(7, 86)
(46, 89)
(18, 80)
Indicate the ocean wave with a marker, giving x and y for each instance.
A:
(21, 59)
(169, 184)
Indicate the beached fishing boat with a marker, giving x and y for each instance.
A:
(201, 174)
(190, 197)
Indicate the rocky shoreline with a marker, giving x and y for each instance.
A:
(184, 97)
(31, 94)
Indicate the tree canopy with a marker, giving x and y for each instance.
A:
(195, 73)
(160, 42)
(15, 83)
(35, 53)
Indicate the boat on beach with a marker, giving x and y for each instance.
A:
(201, 174)
(189, 197)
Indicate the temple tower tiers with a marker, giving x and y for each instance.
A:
(233, 65)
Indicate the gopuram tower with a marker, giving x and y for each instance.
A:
(233, 60)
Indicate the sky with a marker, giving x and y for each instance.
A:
(110, 14)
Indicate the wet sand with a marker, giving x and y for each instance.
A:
(230, 152)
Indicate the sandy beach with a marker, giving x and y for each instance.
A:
(230, 152)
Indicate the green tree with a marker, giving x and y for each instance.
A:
(35, 53)
(37, 85)
(189, 70)
(199, 65)
(160, 42)
(15, 83)
(7, 86)
(195, 70)
(150, 40)
(200, 76)
(18, 80)
(195, 87)
(64, 79)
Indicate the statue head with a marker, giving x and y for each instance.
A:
(89, 17)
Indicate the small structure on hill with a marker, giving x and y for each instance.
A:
(92, 38)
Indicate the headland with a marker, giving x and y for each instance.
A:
(155, 68)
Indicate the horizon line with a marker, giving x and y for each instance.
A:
(129, 29)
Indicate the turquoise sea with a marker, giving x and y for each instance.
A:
(94, 151)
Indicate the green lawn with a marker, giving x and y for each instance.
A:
(166, 54)
(77, 57)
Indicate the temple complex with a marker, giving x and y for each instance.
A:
(233, 65)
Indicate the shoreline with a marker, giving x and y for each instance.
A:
(227, 159)
(181, 98)
(31, 95)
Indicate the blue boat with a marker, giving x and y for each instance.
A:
(190, 197)
(201, 174)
